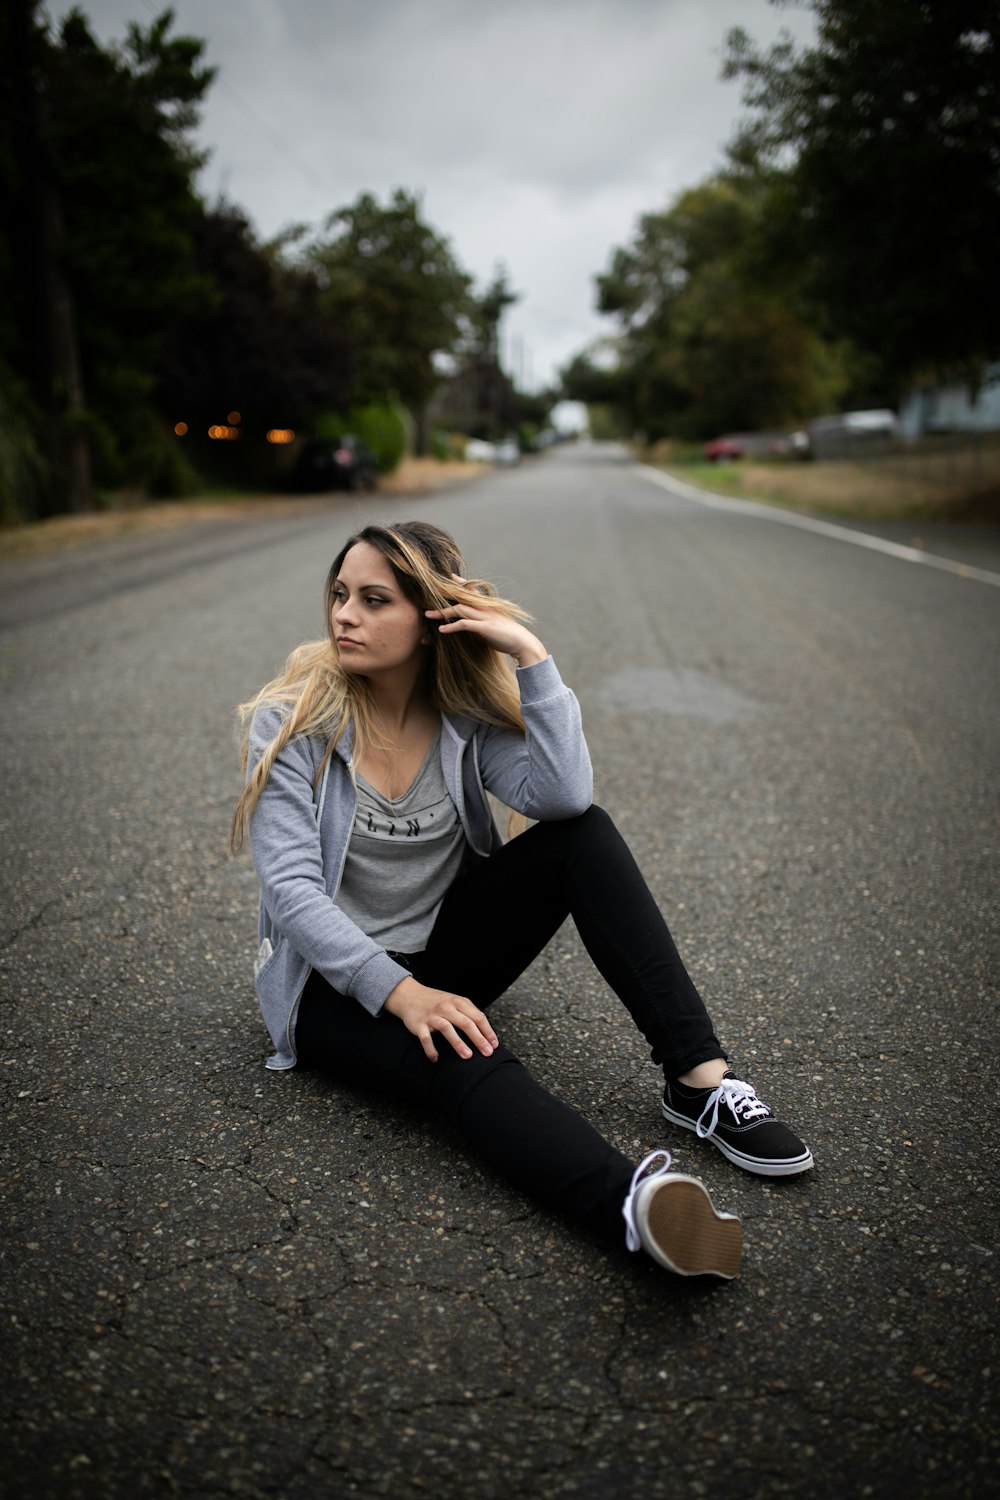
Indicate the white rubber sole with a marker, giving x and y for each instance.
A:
(679, 1228)
(787, 1166)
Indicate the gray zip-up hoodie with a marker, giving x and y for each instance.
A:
(300, 831)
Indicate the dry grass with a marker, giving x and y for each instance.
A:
(414, 476)
(945, 483)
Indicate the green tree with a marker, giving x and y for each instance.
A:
(585, 380)
(480, 399)
(391, 284)
(258, 344)
(709, 339)
(882, 142)
(486, 310)
(100, 258)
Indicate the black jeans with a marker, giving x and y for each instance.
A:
(493, 922)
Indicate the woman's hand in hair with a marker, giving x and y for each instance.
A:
(490, 625)
(424, 1011)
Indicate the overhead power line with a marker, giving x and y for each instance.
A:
(272, 137)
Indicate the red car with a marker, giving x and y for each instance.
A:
(747, 445)
(733, 445)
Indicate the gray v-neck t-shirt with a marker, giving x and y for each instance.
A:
(403, 855)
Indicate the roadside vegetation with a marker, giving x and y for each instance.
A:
(411, 476)
(153, 346)
(932, 482)
(844, 254)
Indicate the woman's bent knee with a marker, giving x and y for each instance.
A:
(585, 829)
(456, 1078)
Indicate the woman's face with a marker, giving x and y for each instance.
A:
(375, 627)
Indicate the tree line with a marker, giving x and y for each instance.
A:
(136, 319)
(847, 249)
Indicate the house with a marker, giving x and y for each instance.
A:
(951, 406)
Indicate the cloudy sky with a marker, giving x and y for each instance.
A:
(535, 131)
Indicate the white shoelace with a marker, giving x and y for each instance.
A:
(639, 1176)
(742, 1100)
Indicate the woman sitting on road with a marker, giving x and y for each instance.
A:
(392, 915)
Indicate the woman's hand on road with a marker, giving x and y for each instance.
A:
(424, 1011)
(497, 630)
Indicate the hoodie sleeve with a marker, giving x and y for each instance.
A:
(544, 773)
(288, 857)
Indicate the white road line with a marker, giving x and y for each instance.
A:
(809, 523)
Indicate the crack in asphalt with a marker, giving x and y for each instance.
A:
(28, 925)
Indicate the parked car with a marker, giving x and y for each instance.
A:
(341, 463)
(508, 452)
(747, 445)
(721, 449)
(853, 434)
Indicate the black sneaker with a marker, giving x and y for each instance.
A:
(741, 1125)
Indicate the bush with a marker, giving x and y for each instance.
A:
(151, 463)
(452, 446)
(381, 426)
(383, 430)
(169, 472)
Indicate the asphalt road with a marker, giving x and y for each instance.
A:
(218, 1281)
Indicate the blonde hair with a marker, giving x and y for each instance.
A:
(463, 675)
